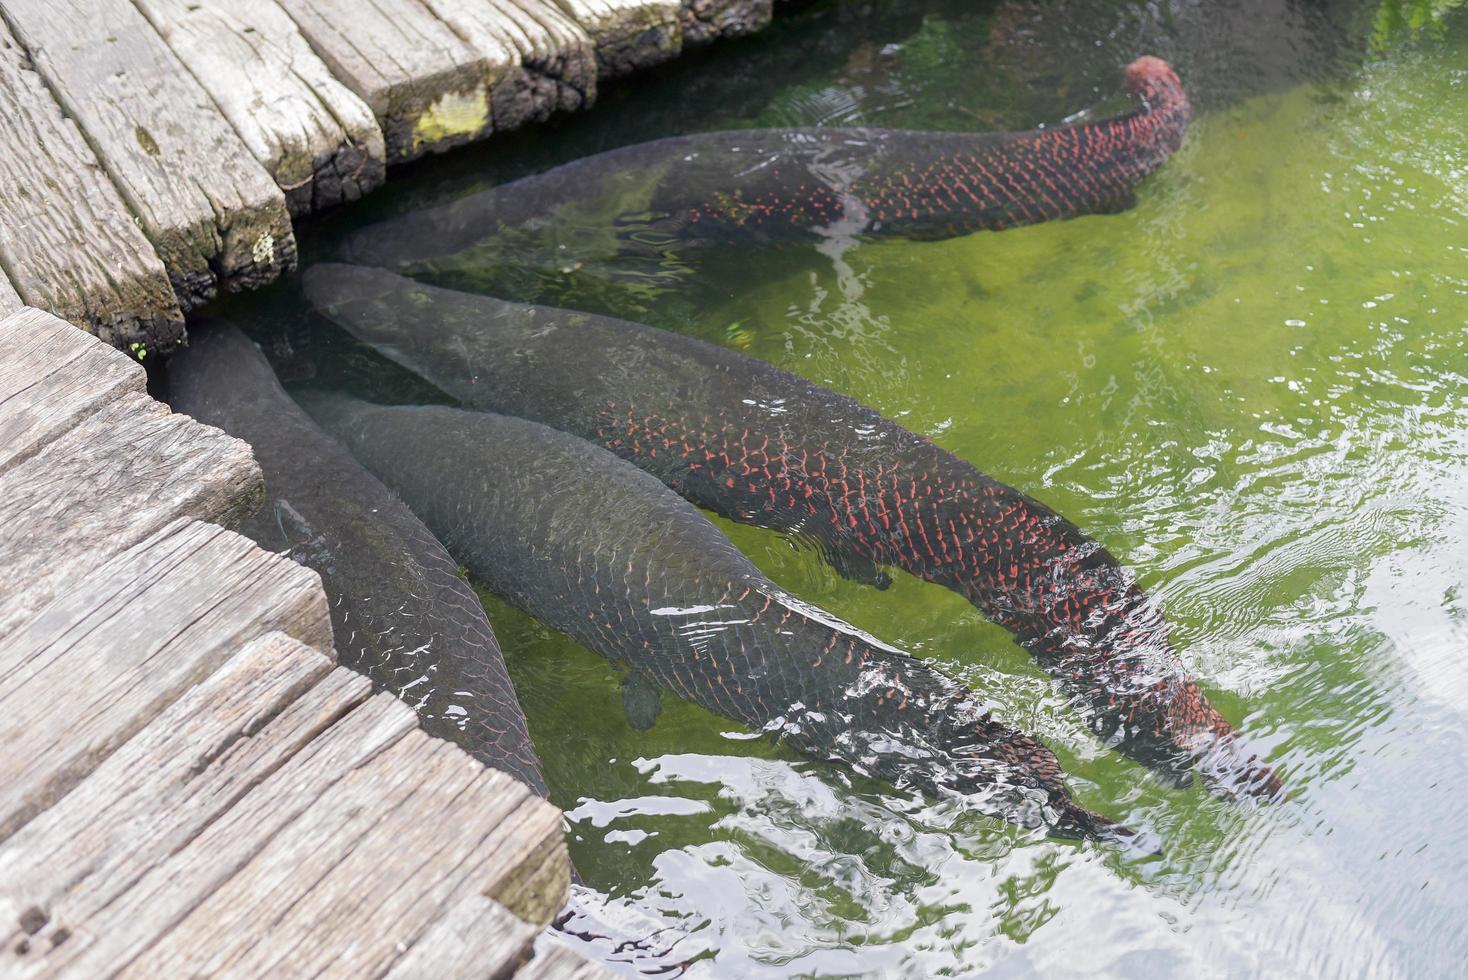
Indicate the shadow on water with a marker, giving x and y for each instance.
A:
(1253, 387)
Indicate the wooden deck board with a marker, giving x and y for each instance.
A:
(52, 377)
(427, 87)
(213, 213)
(549, 62)
(101, 940)
(629, 34)
(119, 475)
(67, 240)
(560, 963)
(318, 140)
(709, 20)
(9, 298)
(476, 939)
(119, 645)
(162, 787)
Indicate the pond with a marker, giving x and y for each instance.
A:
(1252, 387)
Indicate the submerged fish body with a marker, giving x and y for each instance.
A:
(400, 612)
(762, 446)
(602, 551)
(777, 185)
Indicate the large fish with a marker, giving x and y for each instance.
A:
(763, 446)
(776, 185)
(401, 613)
(596, 548)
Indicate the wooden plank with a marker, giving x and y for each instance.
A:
(213, 213)
(429, 89)
(9, 298)
(629, 34)
(67, 240)
(168, 782)
(709, 20)
(122, 473)
(318, 140)
(369, 866)
(123, 643)
(557, 962)
(477, 938)
(102, 938)
(53, 376)
(548, 61)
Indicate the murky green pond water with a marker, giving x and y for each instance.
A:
(1253, 388)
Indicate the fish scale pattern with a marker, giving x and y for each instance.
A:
(622, 564)
(921, 185)
(775, 186)
(763, 446)
(400, 612)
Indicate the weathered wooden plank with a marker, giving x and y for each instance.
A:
(369, 866)
(709, 20)
(557, 962)
(101, 939)
(53, 376)
(429, 89)
(67, 240)
(212, 212)
(629, 34)
(122, 473)
(476, 938)
(121, 644)
(318, 140)
(551, 61)
(9, 298)
(164, 785)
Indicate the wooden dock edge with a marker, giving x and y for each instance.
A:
(189, 785)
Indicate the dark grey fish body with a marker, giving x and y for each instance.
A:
(401, 613)
(771, 186)
(602, 551)
(762, 446)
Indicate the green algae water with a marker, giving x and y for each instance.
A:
(1252, 388)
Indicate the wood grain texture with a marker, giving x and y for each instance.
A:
(53, 376)
(106, 939)
(556, 962)
(629, 34)
(9, 298)
(428, 88)
(373, 863)
(476, 939)
(541, 60)
(709, 20)
(119, 645)
(212, 212)
(121, 474)
(164, 785)
(318, 140)
(68, 242)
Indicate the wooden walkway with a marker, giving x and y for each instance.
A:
(155, 152)
(189, 786)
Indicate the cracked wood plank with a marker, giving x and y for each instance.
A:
(476, 939)
(629, 34)
(428, 88)
(318, 140)
(9, 298)
(543, 60)
(103, 938)
(709, 20)
(53, 376)
(211, 211)
(557, 962)
(122, 473)
(68, 242)
(119, 645)
(371, 864)
(164, 786)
